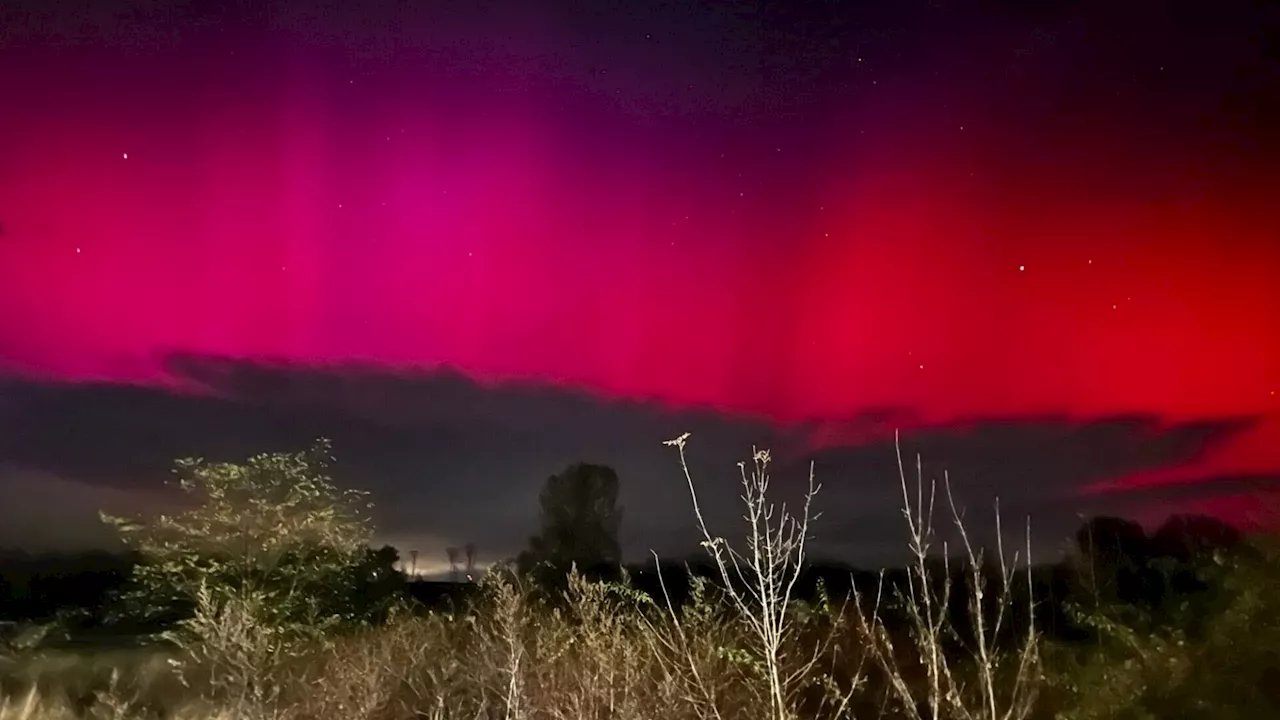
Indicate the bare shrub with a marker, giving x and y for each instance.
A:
(760, 582)
(692, 647)
(992, 682)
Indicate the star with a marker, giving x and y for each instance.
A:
(1022, 268)
(126, 156)
(77, 251)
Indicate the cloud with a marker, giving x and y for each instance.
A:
(49, 512)
(450, 460)
(1250, 501)
(441, 454)
(1035, 467)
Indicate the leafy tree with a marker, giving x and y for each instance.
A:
(579, 523)
(273, 533)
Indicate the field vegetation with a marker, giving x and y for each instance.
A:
(264, 600)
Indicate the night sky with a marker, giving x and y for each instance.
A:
(473, 242)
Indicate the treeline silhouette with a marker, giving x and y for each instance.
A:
(40, 586)
(1114, 561)
(83, 592)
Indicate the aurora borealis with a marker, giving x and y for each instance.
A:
(945, 215)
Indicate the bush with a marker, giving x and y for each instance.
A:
(1214, 654)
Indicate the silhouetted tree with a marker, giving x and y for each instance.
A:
(452, 553)
(374, 583)
(578, 525)
(470, 550)
(1114, 560)
(1110, 538)
(1188, 537)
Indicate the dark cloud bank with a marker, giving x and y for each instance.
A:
(449, 459)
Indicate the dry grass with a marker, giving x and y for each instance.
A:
(745, 648)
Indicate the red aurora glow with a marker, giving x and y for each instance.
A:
(926, 263)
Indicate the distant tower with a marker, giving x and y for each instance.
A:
(453, 553)
(471, 561)
(413, 567)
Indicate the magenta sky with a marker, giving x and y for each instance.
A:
(980, 228)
